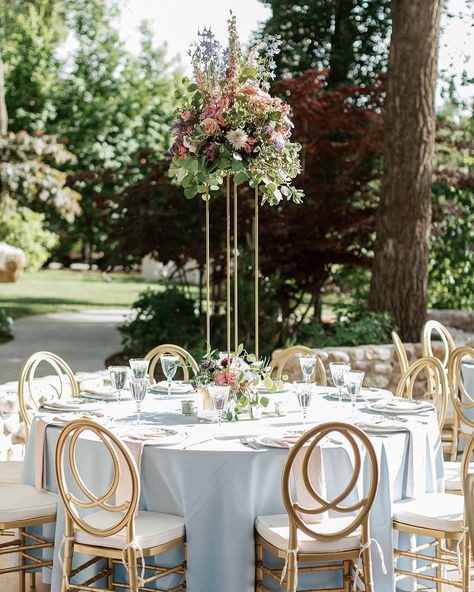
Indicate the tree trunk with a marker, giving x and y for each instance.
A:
(341, 59)
(3, 105)
(400, 268)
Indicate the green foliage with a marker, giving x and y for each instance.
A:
(162, 317)
(354, 325)
(25, 229)
(348, 37)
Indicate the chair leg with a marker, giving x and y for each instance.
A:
(367, 570)
(67, 564)
(258, 564)
(21, 562)
(346, 575)
(439, 567)
(291, 573)
(466, 564)
(132, 569)
(32, 580)
(110, 577)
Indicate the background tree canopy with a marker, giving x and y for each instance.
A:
(94, 122)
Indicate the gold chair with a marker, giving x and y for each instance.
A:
(23, 506)
(468, 490)
(282, 357)
(343, 537)
(438, 516)
(401, 352)
(27, 392)
(185, 359)
(115, 530)
(438, 384)
(435, 328)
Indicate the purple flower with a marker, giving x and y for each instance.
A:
(278, 141)
(211, 151)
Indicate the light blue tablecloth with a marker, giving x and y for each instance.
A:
(221, 486)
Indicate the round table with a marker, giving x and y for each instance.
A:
(220, 485)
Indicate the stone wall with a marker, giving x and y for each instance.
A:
(379, 362)
(457, 319)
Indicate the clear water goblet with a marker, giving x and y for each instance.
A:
(307, 365)
(118, 376)
(138, 386)
(353, 380)
(169, 365)
(139, 367)
(220, 397)
(304, 394)
(337, 370)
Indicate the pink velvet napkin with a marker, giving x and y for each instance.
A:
(317, 480)
(40, 435)
(124, 488)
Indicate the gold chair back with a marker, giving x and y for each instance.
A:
(26, 388)
(436, 381)
(461, 399)
(401, 352)
(281, 359)
(65, 463)
(360, 510)
(449, 344)
(185, 359)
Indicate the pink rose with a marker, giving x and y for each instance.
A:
(220, 119)
(210, 126)
(208, 111)
(185, 115)
(223, 378)
(248, 89)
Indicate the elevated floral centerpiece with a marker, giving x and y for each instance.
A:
(245, 374)
(227, 123)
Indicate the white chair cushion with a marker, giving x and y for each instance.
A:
(10, 471)
(151, 529)
(437, 511)
(275, 530)
(23, 502)
(452, 475)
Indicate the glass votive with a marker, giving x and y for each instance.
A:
(188, 407)
(280, 408)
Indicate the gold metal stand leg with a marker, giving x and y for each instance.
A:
(228, 264)
(256, 272)
(236, 272)
(208, 278)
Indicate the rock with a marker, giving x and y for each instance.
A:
(337, 355)
(12, 263)
(383, 368)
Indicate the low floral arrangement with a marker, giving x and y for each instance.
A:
(244, 375)
(227, 123)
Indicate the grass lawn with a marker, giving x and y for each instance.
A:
(64, 290)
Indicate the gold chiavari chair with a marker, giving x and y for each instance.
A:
(438, 384)
(401, 352)
(282, 358)
(185, 359)
(28, 395)
(431, 329)
(438, 516)
(463, 403)
(343, 537)
(21, 507)
(115, 530)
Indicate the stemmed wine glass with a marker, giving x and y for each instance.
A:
(220, 397)
(138, 387)
(169, 365)
(139, 367)
(353, 380)
(307, 365)
(118, 376)
(337, 374)
(304, 393)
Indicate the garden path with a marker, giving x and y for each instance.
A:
(84, 339)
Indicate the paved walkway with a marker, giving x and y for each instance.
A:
(83, 339)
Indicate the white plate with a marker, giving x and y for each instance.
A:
(385, 427)
(73, 408)
(269, 442)
(157, 436)
(405, 409)
(365, 396)
(178, 387)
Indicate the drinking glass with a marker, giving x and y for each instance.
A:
(304, 393)
(139, 367)
(169, 365)
(138, 387)
(307, 365)
(337, 374)
(118, 376)
(353, 380)
(219, 396)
